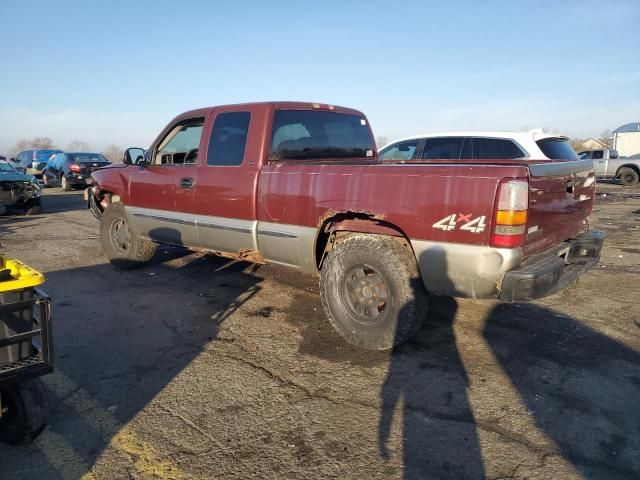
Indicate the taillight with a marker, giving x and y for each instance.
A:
(74, 167)
(510, 222)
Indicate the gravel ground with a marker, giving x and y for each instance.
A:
(200, 367)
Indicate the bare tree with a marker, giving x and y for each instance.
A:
(78, 146)
(577, 144)
(605, 137)
(381, 141)
(113, 153)
(44, 143)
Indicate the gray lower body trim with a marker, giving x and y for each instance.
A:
(461, 270)
(288, 245)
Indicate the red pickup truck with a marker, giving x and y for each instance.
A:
(300, 185)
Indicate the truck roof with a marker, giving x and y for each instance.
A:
(278, 105)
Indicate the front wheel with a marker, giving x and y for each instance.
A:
(628, 176)
(371, 291)
(121, 244)
(34, 207)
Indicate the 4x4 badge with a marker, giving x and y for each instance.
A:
(450, 222)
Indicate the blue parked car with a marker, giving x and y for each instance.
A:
(34, 161)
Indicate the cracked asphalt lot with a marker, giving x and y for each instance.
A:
(200, 367)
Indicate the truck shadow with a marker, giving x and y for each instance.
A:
(120, 337)
(581, 387)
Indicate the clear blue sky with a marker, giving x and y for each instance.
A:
(117, 72)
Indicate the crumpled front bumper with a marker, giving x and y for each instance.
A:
(18, 193)
(549, 272)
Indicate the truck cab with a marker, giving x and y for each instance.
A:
(608, 164)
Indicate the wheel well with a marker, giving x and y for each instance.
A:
(631, 166)
(340, 226)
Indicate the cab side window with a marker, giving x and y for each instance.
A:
(228, 139)
(181, 144)
(399, 151)
(597, 155)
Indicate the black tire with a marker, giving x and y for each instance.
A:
(122, 245)
(628, 176)
(377, 269)
(45, 180)
(64, 183)
(34, 207)
(26, 411)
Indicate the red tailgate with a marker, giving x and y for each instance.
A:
(561, 196)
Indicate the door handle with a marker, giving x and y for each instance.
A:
(186, 183)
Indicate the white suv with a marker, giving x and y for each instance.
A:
(534, 144)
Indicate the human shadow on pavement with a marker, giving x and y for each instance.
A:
(427, 381)
(581, 386)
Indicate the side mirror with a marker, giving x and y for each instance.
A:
(133, 156)
(613, 154)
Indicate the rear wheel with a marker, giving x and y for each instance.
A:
(371, 291)
(45, 180)
(24, 411)
(628, 176)
(64, 183)
(121, 244)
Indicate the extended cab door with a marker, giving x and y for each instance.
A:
(227, 180)
(162, 192)
(600, 163)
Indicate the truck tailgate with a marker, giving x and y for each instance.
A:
(561, 196)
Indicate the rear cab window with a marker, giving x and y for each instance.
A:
(318, 135)
(557, 149)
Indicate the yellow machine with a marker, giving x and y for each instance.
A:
(26, 351)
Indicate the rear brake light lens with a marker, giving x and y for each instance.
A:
(74, 167)
(511, 215)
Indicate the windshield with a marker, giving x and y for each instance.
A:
(87, 157)
(43, 155)
(557, 149)
(5, 167)
(312, 134)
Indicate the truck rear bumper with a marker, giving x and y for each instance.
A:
(547, 273)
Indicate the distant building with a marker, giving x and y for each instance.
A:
(593, 144)
(626, 139)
